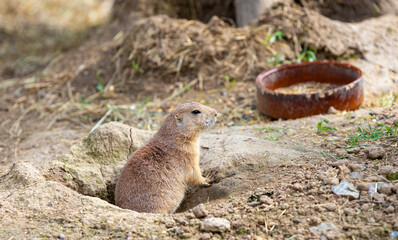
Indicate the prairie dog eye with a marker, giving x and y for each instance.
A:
(195, 112)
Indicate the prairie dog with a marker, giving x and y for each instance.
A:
(156, 176)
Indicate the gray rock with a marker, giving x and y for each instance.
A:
(61, 236)
(323, 227)
(385, 170)
(216, 225)
(354, 150)
(200, 211)
(357, 175)
(346, 188)
(267, 200)
(375, 152)
(385, 189)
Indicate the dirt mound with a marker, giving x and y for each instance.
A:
(161, 53)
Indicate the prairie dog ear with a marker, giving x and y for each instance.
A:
(178, 119)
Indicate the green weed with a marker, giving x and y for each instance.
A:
(307, 55)
(323, 129)
(276, 60)
(136, 67)
(372, 134)
(100, 84)
(278, 35)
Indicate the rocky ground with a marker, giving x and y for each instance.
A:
(331, 176)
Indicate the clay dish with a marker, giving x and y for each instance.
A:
(347, 94)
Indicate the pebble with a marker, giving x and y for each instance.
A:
(385, 189)
(394, 188)
(323, 227)
(354, 150)
(267, 200)
(366, 206)
(298, 187)
(338, 163)
(357, 175)
(284, 206)
(296, 220)
(314, 220)
(205, 236)
(378, 197)
(216, 225)
(349, 211)
(346, 188)
(363, 186)
(200, 211)
(61, 236)
(332, 181)
(385, 170)
(375, 152)
(390, 209)
(355, 167)
(343, 171)
(330, 206)
(341, 153)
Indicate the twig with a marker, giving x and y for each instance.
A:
(101, 120)
(179, 92)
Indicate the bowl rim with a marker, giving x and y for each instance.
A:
(268, 72)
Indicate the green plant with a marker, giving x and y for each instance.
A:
(136, 67)
(278, 35)
(323, 129)
(388, 100)
(276, 60)
(373, 133)
(100, 84)
(272, 137)
(232, 198)
(307, 55)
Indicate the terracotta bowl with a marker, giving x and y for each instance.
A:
(348, 95)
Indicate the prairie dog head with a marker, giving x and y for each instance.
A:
(190, 119)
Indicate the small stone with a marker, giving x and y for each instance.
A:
(355, 167)
(394, 188)
(267, 200)
(314, 220)
(332, 110)
(332, 181)
(323, 227)
(378, 197)
(185, 236)
(296, 220)
(216, 225)
(61, 236)
(354, 150)
(357, 175)
(385, 170)
(346, 188)
(363, 186)
(349, 211)
(366, 207)
(341, 153)
(390, 209)
(375, 152)
(284, 206)
(330, 206)
(205, 236)
(339, 163)
(343, 171)
(298, 187)
(253, 204)
(385, 189)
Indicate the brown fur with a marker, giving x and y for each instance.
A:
(156, 176)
